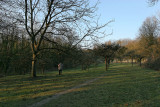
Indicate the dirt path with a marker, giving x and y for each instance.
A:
(64, 92)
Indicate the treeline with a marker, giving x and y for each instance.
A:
(146, 47)
(39, 34)
(14, 51)
(34, 38)
(16, 54)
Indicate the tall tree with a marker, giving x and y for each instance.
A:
(107, 51)
(148, 35)
(49, 16)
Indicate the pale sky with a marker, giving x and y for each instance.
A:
(128, 15)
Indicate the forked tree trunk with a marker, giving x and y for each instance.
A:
(33, 70)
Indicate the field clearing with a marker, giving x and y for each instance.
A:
(23, 90)
(121, 85)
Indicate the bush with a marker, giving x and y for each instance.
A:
(153, 64)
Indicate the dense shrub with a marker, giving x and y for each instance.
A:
(153, 64)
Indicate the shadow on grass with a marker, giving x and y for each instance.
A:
(119, 87)
(23, 90)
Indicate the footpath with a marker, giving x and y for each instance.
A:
(55, 96)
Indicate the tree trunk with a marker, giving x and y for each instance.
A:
(82, 67)
(42, 69)
(140, 62)
(121, 61)
(106, 63)
(132, 61)
(6, 66)
(33, 70)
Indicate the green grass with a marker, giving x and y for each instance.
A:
(22, 90)
(122, 85)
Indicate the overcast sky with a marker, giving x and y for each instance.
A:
(128, 15)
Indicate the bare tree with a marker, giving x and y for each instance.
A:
(148, 33)
(10, 14)
(44, 17)
(152, 2)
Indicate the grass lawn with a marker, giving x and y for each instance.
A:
(23, 90)
(121, 85)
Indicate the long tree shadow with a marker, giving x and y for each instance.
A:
(138, 87)
(27, 90)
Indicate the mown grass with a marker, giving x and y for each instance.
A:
(23, 90)
(123, 85)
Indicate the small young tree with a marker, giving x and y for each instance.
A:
(107, 51)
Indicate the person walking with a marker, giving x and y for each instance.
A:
(60, 67)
